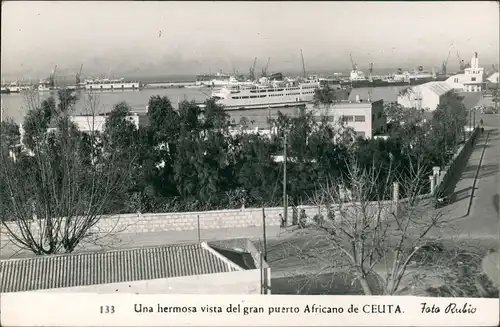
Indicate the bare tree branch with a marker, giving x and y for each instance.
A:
(61, 191)
(375, 234)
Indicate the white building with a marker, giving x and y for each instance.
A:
(365, 117)
(426, 96)
(472, 80)
(97, 122)
(492, 81)
(494, 78)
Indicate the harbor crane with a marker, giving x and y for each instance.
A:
(303, 64)
(52, 78)
(264, 69)
(445, 64)
(252, 70)
(354, 66)
(461, 63)
(370, 69)
(79, 75)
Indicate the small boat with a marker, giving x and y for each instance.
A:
(44, 88)
(14, 88)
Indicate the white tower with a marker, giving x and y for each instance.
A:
(474, 62)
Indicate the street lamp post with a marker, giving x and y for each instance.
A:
(285, 198)
(474, 119)
(470, 122)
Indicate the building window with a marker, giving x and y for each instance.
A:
(456, 80)
(359, 118)
(360, 134)
(347, 118)
(473, 79)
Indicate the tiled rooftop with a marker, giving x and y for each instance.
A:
(58, 271)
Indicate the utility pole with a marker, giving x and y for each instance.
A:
(470, 122)
(264, 232)
(285, 197)
(474, 119)
(269, 118)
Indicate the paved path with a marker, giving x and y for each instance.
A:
(134, 240)
(475, 212)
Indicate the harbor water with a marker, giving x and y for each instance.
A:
(15, 104)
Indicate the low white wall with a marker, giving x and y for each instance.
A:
(238, 282)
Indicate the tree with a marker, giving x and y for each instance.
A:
(11, 136)
(215, 116)
(373, 240)
(244, 122)
(447, 127)
(120, 134)
(120, 140)
(163, 120)
(202, 170)
(255, 171)
(401, 118)
(37, 121)
(431, 136)
(189, 116)
(324, 97)
(56, 196)
(158, 148)
(496, 96)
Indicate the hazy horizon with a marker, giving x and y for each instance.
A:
(186, 38)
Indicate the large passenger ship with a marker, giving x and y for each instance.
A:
(111, 84)
(266, 96)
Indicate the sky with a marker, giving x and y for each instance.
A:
(171, 38)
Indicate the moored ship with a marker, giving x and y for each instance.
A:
(106, 84)
(209, 80)
(45, 86)
(11, 88)
(274, 95)
(421, 77)
(400, 78)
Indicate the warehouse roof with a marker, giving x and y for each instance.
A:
(71, 270)
(439, 88)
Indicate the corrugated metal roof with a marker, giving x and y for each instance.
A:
(440, 88)
(17, 275)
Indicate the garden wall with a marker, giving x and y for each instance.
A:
(205, 220)
(448, 175)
